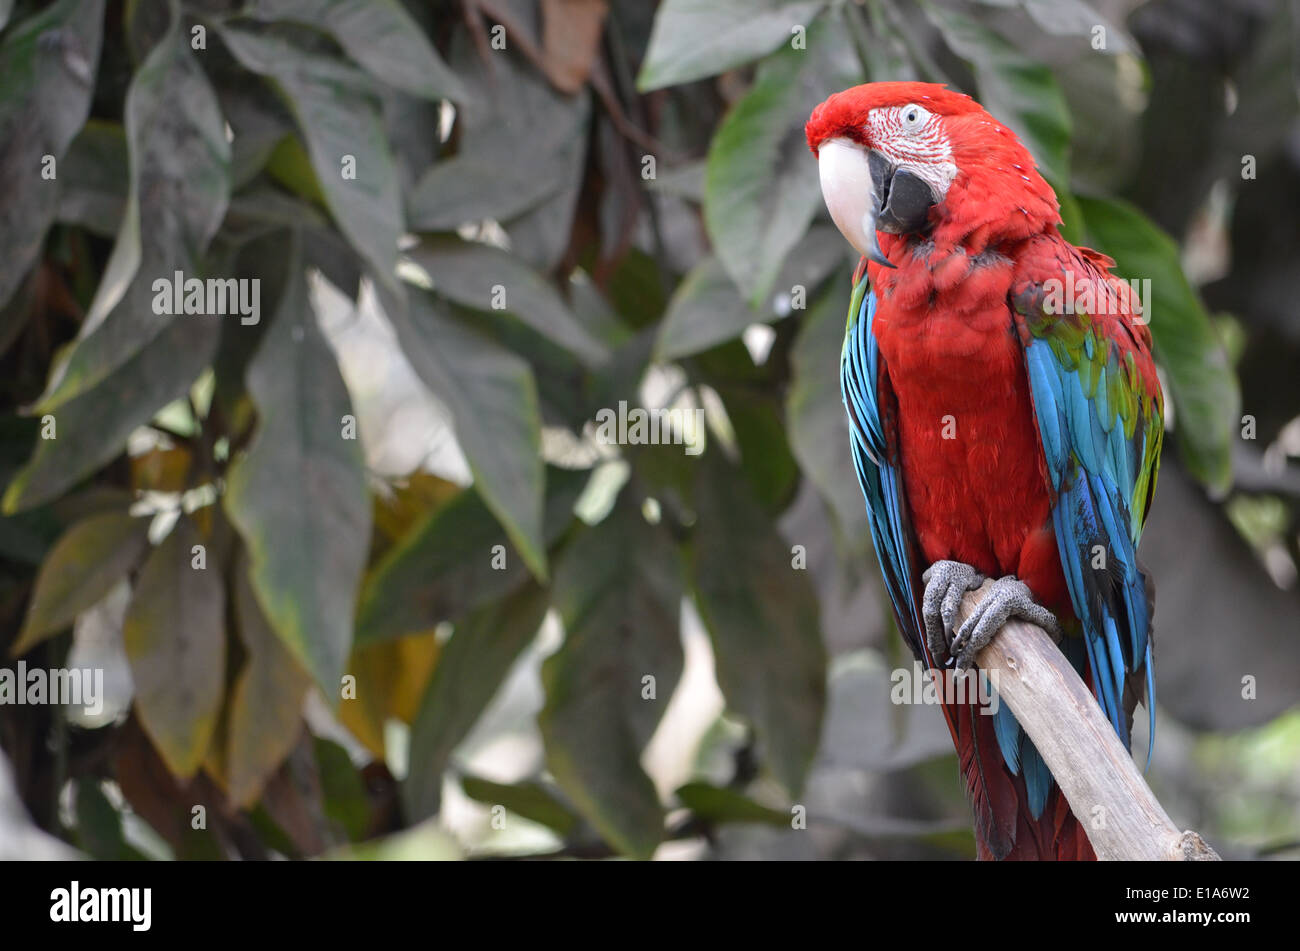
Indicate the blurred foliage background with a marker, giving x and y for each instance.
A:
(432, 614)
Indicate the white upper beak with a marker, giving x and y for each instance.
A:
(847, 190)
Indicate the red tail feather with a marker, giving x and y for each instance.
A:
(1004, 827)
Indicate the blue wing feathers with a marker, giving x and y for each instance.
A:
(878, 477)
(1094, 467)
(1008, 733)
(1038, 778)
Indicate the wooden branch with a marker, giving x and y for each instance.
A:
(1123, 819)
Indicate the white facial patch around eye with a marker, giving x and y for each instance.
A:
(913, 118)
(916, 143)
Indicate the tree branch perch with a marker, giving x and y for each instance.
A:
(1122, 817)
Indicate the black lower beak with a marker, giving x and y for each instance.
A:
(902, 200)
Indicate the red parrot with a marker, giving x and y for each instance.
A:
(1005, 420)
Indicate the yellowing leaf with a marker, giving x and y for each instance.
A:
(264, 720)
(80, 569)
(162, 470)
(409, 503)
(390, 680)
(175, 641)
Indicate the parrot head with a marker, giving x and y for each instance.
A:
(908, 158)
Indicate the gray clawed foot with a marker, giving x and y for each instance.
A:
(1007, 598)
(945, 584)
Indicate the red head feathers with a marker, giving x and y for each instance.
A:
(983, 184)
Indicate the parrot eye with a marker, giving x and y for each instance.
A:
(913, 118)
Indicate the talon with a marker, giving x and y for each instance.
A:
(1009, 597)
(945, 584)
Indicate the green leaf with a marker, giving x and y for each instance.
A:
(298, 497)
(692, 39)
(1201, 382)
(174, 634)
(482, 277)
(490, 176)
(637, 289)
(531, 800)
(542, 235)
(379, 35)
(758, 420)
(822, 251)
(339, 117)
(99, 824)
(259, 122)
(719, 804)
(493, 402)
(346, 799)
(618, 588)
(817, 425)
(1076, 18)
(264, 719)
(81, 569)
(179, 188)
(26, 539)
(532, 191)
(445, 565)
(685, 181)
(474, 186)
(47, 70)
(1014, 88)
(289, 164)
(1071, 216)
(761, 184)
(482, 649)
(704, 311)
(441, 568)
(762, 615)
(98, 175)
(92, 428)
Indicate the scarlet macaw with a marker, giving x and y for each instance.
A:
(997, 429)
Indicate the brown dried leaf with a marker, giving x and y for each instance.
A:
(571, 31)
